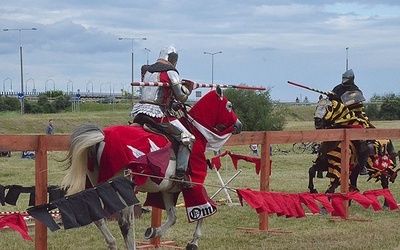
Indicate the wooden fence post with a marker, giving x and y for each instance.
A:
(345, 170)
(41, 190)
(264, 177)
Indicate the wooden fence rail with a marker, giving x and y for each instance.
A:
(41, 144)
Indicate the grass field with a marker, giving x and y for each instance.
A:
(378, 230)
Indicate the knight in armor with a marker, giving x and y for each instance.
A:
(352, 97)
(157, 105)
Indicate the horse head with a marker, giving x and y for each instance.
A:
(215, 113)
(322, 113)
(334, 114)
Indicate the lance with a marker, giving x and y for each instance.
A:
(197, 85)
(312, 89)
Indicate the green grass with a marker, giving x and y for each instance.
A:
(380, 230)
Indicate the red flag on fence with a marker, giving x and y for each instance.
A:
(17, 223)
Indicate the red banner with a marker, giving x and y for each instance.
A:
(290, 205)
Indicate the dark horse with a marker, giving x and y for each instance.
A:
(382, 162)
(212, 121)
(331, 114)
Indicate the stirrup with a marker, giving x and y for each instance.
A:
(179, 174)
(187, 182)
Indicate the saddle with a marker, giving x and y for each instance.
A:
(151, 126)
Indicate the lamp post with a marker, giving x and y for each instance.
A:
(109, 84)
(132, 39)
(89, 82)
(147, 55)
(20, 59)
(347, 58)
(122, 89)
(33, 87)
(45, 84)
(101, 85)
(212, 63)
(72, 85)
(4, 84)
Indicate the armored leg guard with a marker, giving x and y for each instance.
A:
(182, 161)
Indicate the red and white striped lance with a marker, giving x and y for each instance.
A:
(197, 85)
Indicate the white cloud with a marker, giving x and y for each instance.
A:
(262, 42)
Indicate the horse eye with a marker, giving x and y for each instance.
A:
(229, 106)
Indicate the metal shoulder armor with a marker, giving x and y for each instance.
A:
(180, 91)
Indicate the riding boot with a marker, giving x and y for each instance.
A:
(182, 161)
(181, 166)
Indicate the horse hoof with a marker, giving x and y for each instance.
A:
(190, 246)
(150, 233)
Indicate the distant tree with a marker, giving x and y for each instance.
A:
(48, 108)
(372, 111)
(54, 93)
(42, 99)
(9, 103)
(256, 110)
(34, 108)
(62, 102)
(390, 108)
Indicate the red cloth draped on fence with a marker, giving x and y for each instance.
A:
(216, 161)
(15, 222)
(290, 205)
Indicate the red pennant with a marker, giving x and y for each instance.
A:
(324, 201)
(290, 204)
(216, 161)
(309, 201)
(337, 204)
(17, 223)
(361, 199)
(249, 197)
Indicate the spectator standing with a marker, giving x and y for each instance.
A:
(50, 128)
(254, 149)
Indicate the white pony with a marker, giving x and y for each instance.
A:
(96, 154)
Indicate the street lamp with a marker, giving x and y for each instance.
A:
(89, 82)
(45, 84)
(20, 59)
(147, 55)
(105, 83)
(109, 84)
(4, 84)
(72, 85)
(100, 87)
(212, 63)
(132, 39)
(26, 85)
(122, 89)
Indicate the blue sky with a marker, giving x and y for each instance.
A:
(263, 43)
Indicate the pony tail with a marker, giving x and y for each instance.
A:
(82, 140)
